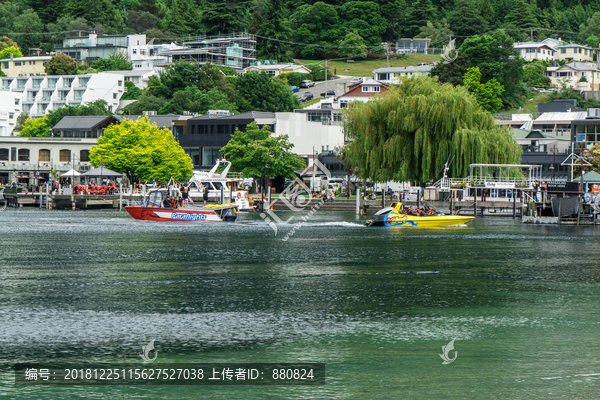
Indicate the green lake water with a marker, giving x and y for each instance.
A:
(522, 302)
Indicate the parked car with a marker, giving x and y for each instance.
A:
(307, 84)
(356, 80)
(306, 96)
(328, 93)
(294, 89)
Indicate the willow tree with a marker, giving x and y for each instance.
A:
(409, 132)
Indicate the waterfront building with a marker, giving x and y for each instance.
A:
(29, 161)
(204, 135)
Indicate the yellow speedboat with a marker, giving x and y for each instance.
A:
(397, 217)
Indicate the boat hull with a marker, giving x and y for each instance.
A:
(411, 221)
(165, 214)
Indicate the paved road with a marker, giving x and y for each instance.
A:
(321, 87)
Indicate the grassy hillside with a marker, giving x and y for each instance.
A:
(530, 106)
(365, 67)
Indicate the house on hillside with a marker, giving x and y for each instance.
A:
(574, 52)
(362, 91)
(394, 74)
(277, 69)
(535, 51)
(577, 75)
(24, 66)
(415, 45)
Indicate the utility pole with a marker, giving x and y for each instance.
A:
(387, 51)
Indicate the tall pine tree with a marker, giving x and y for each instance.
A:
(419, 13)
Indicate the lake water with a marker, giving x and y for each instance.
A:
(522, 302)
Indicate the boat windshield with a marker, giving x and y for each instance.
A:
(154, 199)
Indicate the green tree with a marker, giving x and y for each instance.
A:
(487, 94)
(364, 18)
(256, 153)
(141, 21)
(183, 18)
(487, 12)
(393, 11)
(261, 92)
(534, 74)
(182, 74)
(146, 102)
(153, 151)
(318, 24)
(5, 53)
(318, 72)
(97, 12)
(48, 10)
(271, 24)
(465, 20)
(224, 16)
(418, 13)
(452, 72)
(408, 134)
(61, 64)
(353, 45)
(29, 24)
(98, 107)
(496, 58)
(590, 28)
(117, 61)
(592, 41)
(439, 32)
(133, 92)
(521, 16)
(198, 101)
(37, 127)
(292, 78)
(149, 6)
(21, 119)
(5, 42)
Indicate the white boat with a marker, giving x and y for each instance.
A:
(215, 181)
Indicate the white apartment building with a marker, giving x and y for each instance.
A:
(94, 47)
(38, 95)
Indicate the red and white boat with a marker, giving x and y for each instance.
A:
(153, 209)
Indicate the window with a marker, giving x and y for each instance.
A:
(17, 63)
(44, 155)
(134, 51)
(3, 154)
(5, 65)
(222, 128)
(211, 155)
(64, 156)
(114, 96)
(120, 83)
(370, 88)
(194, 153)
(16, 102)
(23, 154)
(563, 51)
(84, 155)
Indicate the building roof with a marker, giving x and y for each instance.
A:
(134, 72)
(78, 123)
(529, 45)
(269, 67)
(573, 45)
(246, 115)
(560, 116)
(590, 176)
(580, 66)
(425, 68)
(162, 121)
(35, 58)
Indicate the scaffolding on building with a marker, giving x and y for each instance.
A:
(237, 50)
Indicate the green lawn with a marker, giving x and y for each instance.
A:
(310, 102)
(362, 67)
(530, 106)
